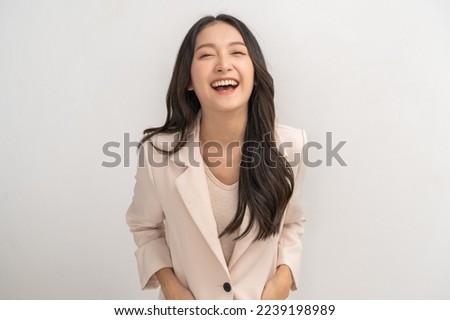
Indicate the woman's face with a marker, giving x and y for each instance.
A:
(222, 73)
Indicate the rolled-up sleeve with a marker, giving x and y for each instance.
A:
(145, 219)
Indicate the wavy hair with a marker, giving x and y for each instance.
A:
(265, 188)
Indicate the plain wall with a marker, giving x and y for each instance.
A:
(75, 75)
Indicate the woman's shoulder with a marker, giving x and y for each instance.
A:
(162, 140)
(286, 133)
(290, 141)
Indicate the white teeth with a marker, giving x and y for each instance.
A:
(221, 83)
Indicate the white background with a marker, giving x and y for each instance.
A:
(75, 75)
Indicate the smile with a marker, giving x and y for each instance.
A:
(225, 85)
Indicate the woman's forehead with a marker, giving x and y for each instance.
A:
(218, 33)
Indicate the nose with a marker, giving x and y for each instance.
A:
(223, 64)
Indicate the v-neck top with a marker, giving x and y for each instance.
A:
(224, 199)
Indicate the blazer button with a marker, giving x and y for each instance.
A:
(227, 287)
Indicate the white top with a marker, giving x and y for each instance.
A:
(224, 199)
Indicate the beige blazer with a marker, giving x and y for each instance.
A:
(173, 225)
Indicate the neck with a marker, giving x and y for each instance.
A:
(223, 127)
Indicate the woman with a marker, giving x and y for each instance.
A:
(216, 211)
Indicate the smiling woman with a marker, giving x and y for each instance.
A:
(219, 222)
(221, 61)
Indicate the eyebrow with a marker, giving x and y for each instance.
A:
(211, 45)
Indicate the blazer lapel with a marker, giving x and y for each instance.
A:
(193, 189)
(242, 245)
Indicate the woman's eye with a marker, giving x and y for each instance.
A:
(238, 53)
(205, 55)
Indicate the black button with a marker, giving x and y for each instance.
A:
(227, 287)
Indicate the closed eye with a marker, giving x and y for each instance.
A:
(205, 55)
(238, 53)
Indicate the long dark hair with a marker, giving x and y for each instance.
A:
(266, 187)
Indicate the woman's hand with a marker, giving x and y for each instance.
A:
(278, 287)
(171, 286)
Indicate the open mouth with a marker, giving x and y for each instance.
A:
(225, 85)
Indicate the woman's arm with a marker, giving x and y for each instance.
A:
(289, 244)
(146, 221)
